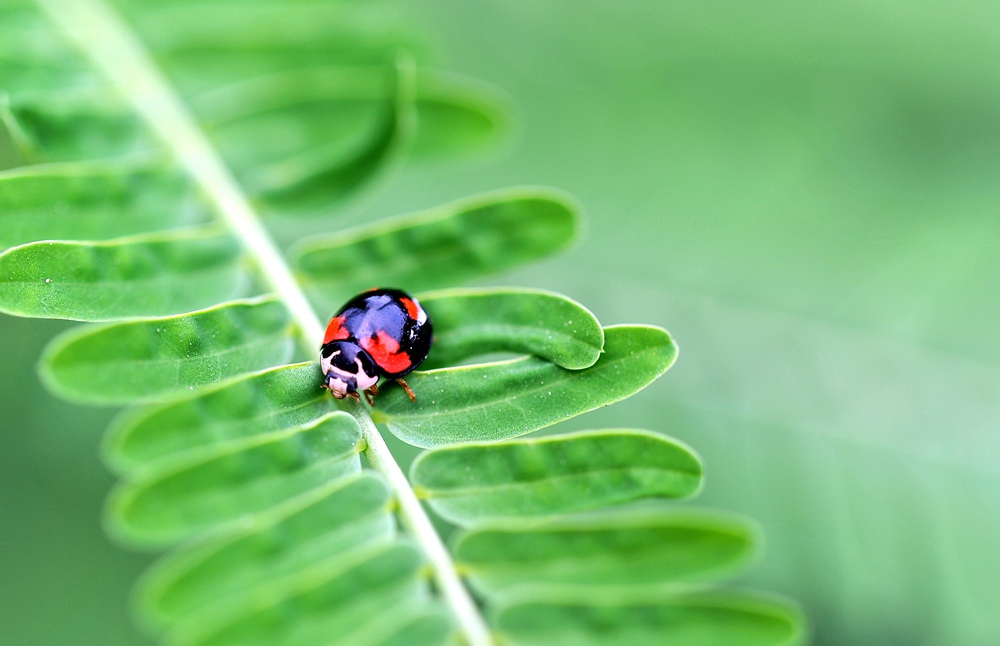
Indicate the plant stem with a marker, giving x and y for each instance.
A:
(115, 50)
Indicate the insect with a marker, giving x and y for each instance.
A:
(378, 333)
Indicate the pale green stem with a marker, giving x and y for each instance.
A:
(114, 49)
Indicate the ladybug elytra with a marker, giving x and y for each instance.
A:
(378, 333)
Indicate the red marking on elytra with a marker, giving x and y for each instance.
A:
(336, 331)
(384, 351)
(411, 307)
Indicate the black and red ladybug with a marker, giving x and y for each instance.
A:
(379, 333)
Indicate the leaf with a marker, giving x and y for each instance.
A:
(469, 323)
(223, 483)
(697, 620)
(334, 601)
(457, 116)
(93, 201)
(610, 553)
(317, 179)
(118, 363)
(61, 126)
(208, 45)
(13, 148)
(452, 244)
(233, 569)
(277, 115)
(249, 405)
(556, 474)
(501, 400)
(151, 275)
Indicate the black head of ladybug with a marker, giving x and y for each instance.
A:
(347, 368)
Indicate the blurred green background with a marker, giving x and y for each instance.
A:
(805, 194)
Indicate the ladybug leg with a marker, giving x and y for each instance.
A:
(354, 395)
(374, 389)
(369, 396)
(407, 389)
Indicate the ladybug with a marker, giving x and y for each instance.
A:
(378, 333)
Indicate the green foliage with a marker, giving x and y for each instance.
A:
(152, 275)
(619, 552)
(453, 244)
(237, 458)
(474, 322)
(695, 620)
(498, 401)
(554, 474)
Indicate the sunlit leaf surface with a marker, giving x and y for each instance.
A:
(609, 553)
(117, 363)
(704, 620)
(554, 474)
(506, 399)
(176, 500)
(148, 276)
(474, 322)
(456, 243)
(258, 403)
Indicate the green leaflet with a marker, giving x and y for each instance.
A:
(555, 474)
(34, 55)
(316, 179)
(474, 322)
(13, 149)
(697, 620)
(278, 115)
(417, 625)
(328, 603)
(458, 116)
(506, 399)
(60, 126)
(118, 363)
(152, 275)
(206, 45)
(230, 570)
(246, 406)
(595, 556)
(452, 244)
(164, 505)
(93, 201)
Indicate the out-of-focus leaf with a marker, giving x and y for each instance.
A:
(555, 474)
(457, 116)
(450, 245)
(95, 201)
(506, 399)
(474, 322)
(34, 55)
(278, 115)
(606, 553)
(60, 126)
(421, 625)
(266, 401)
(325, 604)
(233, 569)
(119, 363)
(153, 275)
(698, 620)
(208, 45)
(225, 482)
(316, 179)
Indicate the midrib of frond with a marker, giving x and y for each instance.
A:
(115, 50)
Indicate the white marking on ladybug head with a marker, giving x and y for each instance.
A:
(343, 382)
